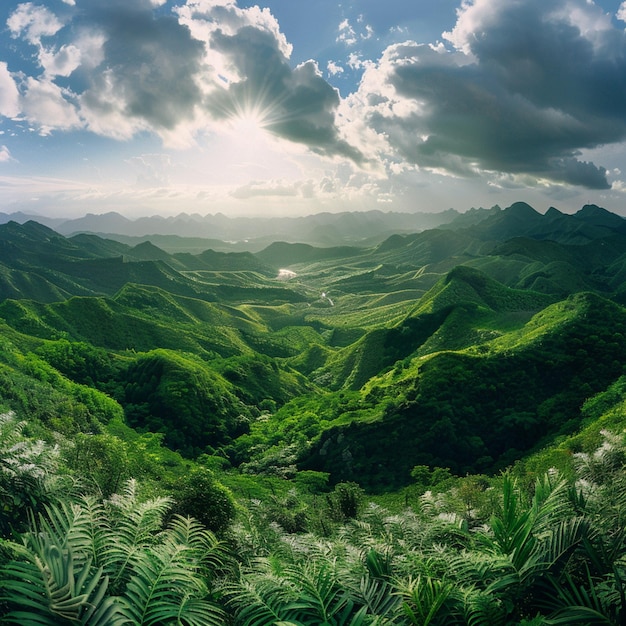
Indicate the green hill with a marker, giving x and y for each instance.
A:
(465, 346)
(481, 408)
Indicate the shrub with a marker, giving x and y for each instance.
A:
(200, 496)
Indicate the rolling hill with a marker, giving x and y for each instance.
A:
(467, 346)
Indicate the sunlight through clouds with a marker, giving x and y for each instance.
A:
(492, 96)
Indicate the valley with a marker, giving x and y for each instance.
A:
(385, 369)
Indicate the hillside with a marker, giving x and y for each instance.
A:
(465, 347)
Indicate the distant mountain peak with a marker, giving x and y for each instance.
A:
(521, 209)
(598, 216)
(553, 212)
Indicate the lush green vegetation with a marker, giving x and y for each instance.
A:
(512, 549)
(427, 431)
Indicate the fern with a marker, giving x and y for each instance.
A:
(423, 599)
(50, 583)
(259, 599)
(163, 588)
(167, 582)
(134, 527)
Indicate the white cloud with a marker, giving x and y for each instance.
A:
(334, 68)
(346, 35)
(9, 94)
(44, 103)
(621, 12)
(153, 170)
(5, 155)
(61, 62)
(33, 22)
(518, 95)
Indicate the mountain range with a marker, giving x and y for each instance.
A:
(465, 346)
(361, 227)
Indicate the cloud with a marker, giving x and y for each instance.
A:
(271, 188)
(334, 68)
(255, 77)
(153, 170)
(9, 94)
(149, 70)
(60, 62)
(176, 73)
(44, 102)
(521, 89)
(5, 155)
(33, 22)
(346, 35)
(528, 85)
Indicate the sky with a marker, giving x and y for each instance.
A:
(292, 107)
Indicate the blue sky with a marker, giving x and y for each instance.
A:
(289, 107)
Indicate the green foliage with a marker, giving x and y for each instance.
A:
(112, 563)
(179, 396)
(81, 362)
(201, 496)
(28, 473)
(345, 501)
(102, 459)
(431, 359)
(312, 482)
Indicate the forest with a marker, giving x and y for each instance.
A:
(428, 429)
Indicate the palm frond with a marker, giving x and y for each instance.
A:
(320, 597)
(584, 601)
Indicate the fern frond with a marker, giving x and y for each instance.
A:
(135, 525)
(260, 599)
(49, 585)
(205, 549)
(164, 586)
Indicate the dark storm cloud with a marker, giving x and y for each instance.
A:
(530, 85)
(150, 61)
(294, 104)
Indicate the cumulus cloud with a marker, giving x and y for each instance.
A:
(45, 103)
(33, 22)
(526, 87)
(256, 78)
(9, 94)
(150, 69)
(176, 73)
(60, 62)
(522, 88)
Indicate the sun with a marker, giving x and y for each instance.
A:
(249, 118)
(248, 134)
